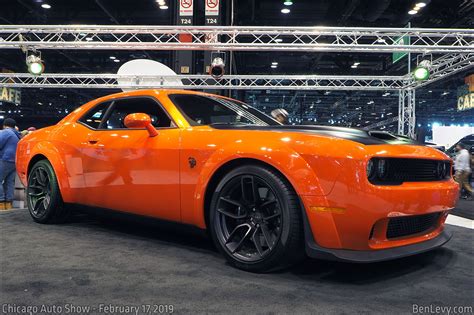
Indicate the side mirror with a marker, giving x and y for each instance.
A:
(140, 121)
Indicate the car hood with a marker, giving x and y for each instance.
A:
(356, 135)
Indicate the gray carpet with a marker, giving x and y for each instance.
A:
(88, 262)
(464, 208)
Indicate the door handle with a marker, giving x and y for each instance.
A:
(91, 141)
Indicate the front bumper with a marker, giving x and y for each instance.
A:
(368, 256)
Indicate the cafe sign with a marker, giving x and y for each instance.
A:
(10, 95)
(466, 94)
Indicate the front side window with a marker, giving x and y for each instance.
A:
(122, 108)
(94, 116)
(206, 110)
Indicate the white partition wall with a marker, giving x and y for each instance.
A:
(449, 135)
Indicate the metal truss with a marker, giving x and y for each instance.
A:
(406, 112)
(381, 123)
(240, 38)
(238, 82)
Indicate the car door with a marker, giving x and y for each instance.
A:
(126, 169)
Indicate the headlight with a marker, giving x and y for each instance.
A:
(381, 168)
(370, 169)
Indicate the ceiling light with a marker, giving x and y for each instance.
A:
(88, 39)
(217, 68)
(288, 2)
(353, 66)
(420, 5)
(112, 57)
(274, 63)
(422, 71)
(34, 63)
(412, 12)
(163, 7)
(116, 60)
(285, 10)
(356, 63)
(46, 6)
(273, 66)
(278, 40)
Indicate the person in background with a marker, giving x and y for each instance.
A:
(9, 138)
(280, 115)
(463, 169)
(27, 131)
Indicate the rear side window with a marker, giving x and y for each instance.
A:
(95, 115)
(122, 108)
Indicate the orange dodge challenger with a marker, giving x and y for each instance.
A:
(267, 193)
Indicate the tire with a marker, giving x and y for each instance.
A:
(44, 199)
(260, 230)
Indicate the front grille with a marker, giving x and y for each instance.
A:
(404, 226)
(399, 171)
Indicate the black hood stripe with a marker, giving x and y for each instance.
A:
(356, 135)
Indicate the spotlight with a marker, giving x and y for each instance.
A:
(288, 2)
(34, 63)
(285, 10)
(217, 68)
(163, 7)
(46, 6)
(412, 12)
(420, 5)
(422, 71)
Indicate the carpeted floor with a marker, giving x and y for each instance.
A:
(464, 208)
(89, 262)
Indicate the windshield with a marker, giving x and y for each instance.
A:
(467, 141)
(208, 110)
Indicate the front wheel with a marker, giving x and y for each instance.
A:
(43, 195)
(255, 220)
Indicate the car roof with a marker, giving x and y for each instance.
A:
(153, 92)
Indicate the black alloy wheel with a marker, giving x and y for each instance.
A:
(43, 196)
(39, 191)
(255, 219)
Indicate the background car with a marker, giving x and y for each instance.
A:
(468, 142)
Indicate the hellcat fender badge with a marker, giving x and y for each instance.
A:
(192, 162)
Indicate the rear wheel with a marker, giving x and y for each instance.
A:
(43, 196)
(255, 220)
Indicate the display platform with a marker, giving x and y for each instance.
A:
(92, 261)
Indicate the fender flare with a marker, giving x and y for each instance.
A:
(52, 154)
(286, 161)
